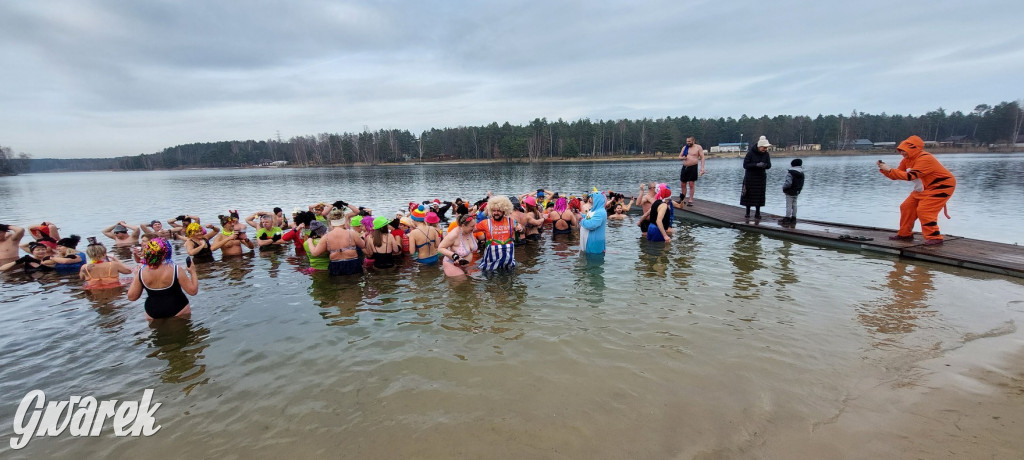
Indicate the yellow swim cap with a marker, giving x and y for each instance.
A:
(193, 229)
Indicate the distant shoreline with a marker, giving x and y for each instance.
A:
(606, 158)
(580, 159)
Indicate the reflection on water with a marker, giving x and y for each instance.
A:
(338, 297)
(590, 280)
(179, 342)
(904, 300)
(786, 271)
(654, 258)
(746, 259)
(232, 269)
(493, 307)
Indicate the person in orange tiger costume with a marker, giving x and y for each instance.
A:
(933, 186)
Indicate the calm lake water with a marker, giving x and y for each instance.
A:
(706, 346)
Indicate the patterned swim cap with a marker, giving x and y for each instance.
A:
(156, 252)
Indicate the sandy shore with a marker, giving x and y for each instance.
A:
(965, 403)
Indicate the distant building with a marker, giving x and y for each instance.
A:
(804, 147)
(728, 147)
(279, 163)
(956, 141)
(885, 145)
(863, 144)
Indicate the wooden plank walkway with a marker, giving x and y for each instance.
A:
(1005, 259)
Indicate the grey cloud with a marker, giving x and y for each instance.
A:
(244, 69)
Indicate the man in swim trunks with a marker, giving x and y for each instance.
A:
(692, 155)
(10, 235)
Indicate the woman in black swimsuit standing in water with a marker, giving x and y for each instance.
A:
(165, 283)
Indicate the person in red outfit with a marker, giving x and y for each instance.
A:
(933, 186)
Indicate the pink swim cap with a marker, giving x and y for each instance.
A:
(663, 191)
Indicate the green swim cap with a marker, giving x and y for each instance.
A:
(380, 222)
(357, 221)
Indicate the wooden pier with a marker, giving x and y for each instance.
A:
(1001, 258)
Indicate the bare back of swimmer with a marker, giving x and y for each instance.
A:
(341, 243)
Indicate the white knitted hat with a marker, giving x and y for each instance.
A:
(763, 142)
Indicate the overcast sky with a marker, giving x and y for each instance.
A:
(85, 78)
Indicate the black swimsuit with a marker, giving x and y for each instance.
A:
(557, 231)
(166, 302)
(383, 260)
(205, 253)
(39, 268)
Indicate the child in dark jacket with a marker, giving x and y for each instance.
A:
(792, 187)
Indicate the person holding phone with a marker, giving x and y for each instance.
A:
(232, 237)
(933, 186)
(458, 247)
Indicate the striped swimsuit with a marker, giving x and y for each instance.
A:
(500, 253)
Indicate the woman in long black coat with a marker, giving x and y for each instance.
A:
(755, 179)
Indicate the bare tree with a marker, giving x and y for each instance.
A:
(420, 145)
(1017, 122)
(393, 143)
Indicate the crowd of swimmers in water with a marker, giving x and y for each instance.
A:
(341, 238)
(337, 238)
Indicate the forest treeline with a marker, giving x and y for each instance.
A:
(11, 163)
(540, 139)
